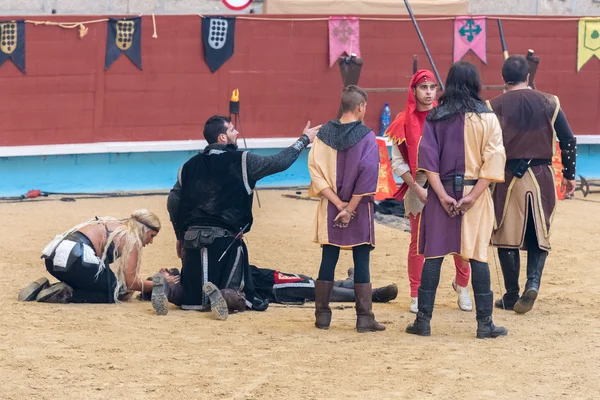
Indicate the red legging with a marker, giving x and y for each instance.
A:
(415, 261)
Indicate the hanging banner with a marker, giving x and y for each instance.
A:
(124, 36)
(470, 34)
(12, 43)
(386, 186)
(343, 38)
(588, 42)
(218, 34)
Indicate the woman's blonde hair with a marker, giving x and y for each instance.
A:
(127, 238)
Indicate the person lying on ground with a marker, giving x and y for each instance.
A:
(276, 286)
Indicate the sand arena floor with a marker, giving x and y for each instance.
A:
(125, 351)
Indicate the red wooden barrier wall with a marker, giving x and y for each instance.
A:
(280, 67)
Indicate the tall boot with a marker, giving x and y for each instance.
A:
(485, 325)
(422, 324)
(365, 319)
(510, 262)
(323, 291)
(342, 295)
(536, 259)
(385, 294)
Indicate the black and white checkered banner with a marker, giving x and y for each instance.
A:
(218, 35)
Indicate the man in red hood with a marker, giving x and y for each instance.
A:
(405, 133)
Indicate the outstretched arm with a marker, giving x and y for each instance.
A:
(262, 166)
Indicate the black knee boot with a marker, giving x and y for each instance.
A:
(485, 325)
(510, 262)
(536, 259)
(342, 295)
(422, 326)
(385, 294)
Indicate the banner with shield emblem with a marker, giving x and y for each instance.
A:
(12, 43)
(124, 36)
(218, 34)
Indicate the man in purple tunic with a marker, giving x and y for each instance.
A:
(344, 167)
(461, 152)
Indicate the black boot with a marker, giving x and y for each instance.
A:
(323, 291)
(342, 295)
(422, 326)
(485, 325)
(58, 293)
(385, 294)
(510, 262)
(536, 259)
(365, 319)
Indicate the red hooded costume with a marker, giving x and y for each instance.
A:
(407, 128)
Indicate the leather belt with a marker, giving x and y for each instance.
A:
(466, 182)
(511, 164)
(218, 232)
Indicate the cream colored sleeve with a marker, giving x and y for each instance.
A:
(318, 183)
(399, 165)
(494, 155)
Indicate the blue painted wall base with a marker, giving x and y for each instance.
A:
(157, 171)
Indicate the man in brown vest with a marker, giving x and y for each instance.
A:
(525, 202)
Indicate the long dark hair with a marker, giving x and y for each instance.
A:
(463, 86)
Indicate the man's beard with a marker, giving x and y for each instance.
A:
(425, 105)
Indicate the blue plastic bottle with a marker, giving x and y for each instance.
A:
(385, 119)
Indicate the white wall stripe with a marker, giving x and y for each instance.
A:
(168, 145)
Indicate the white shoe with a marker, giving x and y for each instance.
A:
(464, 299)
(414, 305)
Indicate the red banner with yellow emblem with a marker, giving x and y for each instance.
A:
(386, 185)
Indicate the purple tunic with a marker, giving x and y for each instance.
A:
(442, 150)
(470, 145)
(351, 172)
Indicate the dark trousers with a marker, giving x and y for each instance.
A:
(202, 265)
(510, 262)
(87, 288)
(361, 255)
(480, 280)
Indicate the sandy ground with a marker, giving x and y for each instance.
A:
(125, 351)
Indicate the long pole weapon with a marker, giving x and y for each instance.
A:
(435, 71)
(502, 40)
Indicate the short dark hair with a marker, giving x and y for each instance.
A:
(515, 69)
(352, 97)
(213, 127)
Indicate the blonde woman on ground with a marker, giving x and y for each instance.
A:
(97, 261)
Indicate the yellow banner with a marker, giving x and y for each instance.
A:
(588, 43)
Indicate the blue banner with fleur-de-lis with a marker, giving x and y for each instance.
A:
(470, 34)
(124, 36)
(12, 43)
